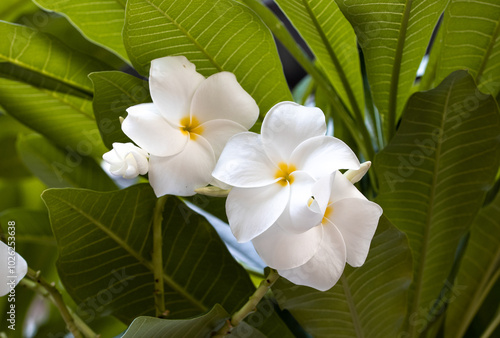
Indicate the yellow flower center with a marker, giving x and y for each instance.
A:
(284, 173)
(191, 126)
(328, 213)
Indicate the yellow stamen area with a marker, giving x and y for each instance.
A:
(191, 126)
(285, 173)
(328, 213)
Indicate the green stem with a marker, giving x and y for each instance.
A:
(158, 256)
(74, 324)
(249, 306)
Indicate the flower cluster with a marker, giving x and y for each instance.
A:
(305, 218)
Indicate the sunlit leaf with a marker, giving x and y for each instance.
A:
(434, 176)
(100, 21)
(114, 93)
(472, 41)
(105, 244)
(59, 168)
(332, 40)
(63, 118)
(47, 55)
(216, 36)
(393, 36)
(369, 301)
(11, 10)
(479, 271)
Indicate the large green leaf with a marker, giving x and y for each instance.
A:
(47, 55)
(105, 244)
(100, 21)
(114, 92)
(202, 326)
(369, 301)
(479, 271)
(434, 176)
(59, 168)
(393, 35)
(63, 118)
(472, 41)
(332, 40)
(216, 36)
(11, 10)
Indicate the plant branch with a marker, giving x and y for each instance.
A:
(158, 256)
(249, 306)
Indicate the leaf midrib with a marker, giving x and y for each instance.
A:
(168, 280)
(425, 241)
(356, 322)
(186, 33)
(488, 52)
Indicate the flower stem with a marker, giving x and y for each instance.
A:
(75, 325)
(249, 306)
(158, 256)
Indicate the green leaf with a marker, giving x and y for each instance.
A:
(59, 168)
(100, 21)
(369, 301)
(114, 92)
(216, 36)
(63, 118)
(11, 10)
(393, 36)
(472, 41)
(11, 165)
(479, 271)
(47, 55)
(332, 40)
(32, 226)
(202, 326)
(105, 244)
(434, 176)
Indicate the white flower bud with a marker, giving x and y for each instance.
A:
(127, 160)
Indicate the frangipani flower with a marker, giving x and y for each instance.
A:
(12, 269)
(270, 172)
(346, 223)
(127, 160)
(186, 127)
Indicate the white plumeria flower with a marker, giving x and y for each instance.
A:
(13, 268)
(346, 223)
(186, 127)
(270, 172)
(127, 160)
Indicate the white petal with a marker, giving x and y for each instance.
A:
(324, 269)
(281, 249)
(243, 163)
(152, 132)
(298, 215)
(251, 211)
(357, 220)
(218, 132)
(13, 268)
(220, 96)
(287, 125)
(322, 190)
(356, 175)
(182, 173)
(173, 81)
(343, 188)
(321, 155)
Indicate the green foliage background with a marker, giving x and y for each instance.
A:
(69, 69)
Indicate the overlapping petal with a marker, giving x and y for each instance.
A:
(218, 132)
(357, 220)
(220, 96)
(172, 83)
(342, 188)
(182, 173)
(251, 211)
(281, 249)
(287, 125)
(8, 278)
(243, 163)
(324, 269)
(321, 155)
(152, 132)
